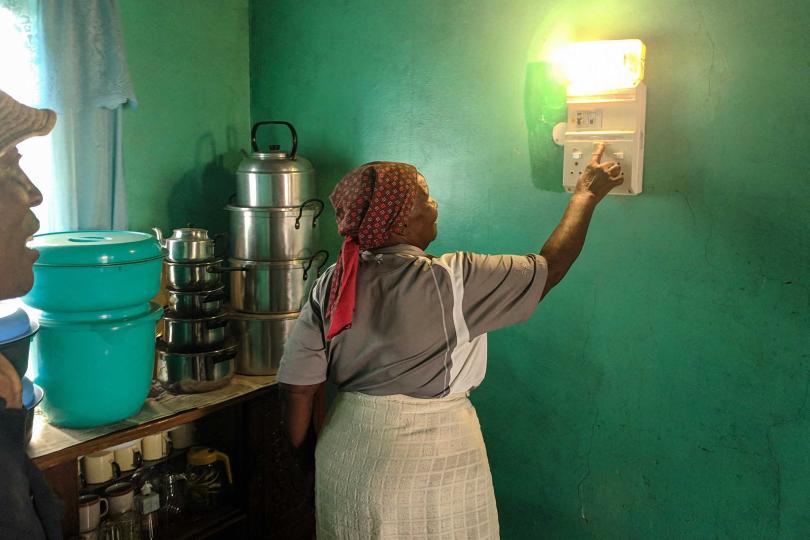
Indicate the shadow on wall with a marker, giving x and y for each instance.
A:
(200, 195)
(544, 106)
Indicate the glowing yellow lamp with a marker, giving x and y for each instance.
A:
(607, 103)
(596, 67)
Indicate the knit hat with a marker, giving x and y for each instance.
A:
(19, 122)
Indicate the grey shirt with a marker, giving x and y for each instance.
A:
(419, 325)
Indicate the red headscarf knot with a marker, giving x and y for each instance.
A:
(371, 203)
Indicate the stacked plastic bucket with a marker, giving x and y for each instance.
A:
(95, 347)
(273, 219)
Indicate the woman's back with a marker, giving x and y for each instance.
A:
(419, 325)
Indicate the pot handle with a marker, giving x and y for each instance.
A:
(223, 357)
(291, 153)
(301, 212)
(216, 324)
(320, 266)
(221, 269)
(214, 296)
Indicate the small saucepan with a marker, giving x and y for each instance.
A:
(183, 333)
(190, 303)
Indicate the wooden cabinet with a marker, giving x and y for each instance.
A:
(272, 497)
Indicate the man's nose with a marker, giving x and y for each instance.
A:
(34, 195)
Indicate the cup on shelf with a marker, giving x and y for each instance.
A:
(100, 467)
(120, 497)
(155, 446)
(128, 455)
(91, 509)
(89, 535)
(182, 436)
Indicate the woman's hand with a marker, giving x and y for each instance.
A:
(599, 178)
(10, 386)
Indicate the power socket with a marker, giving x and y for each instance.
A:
(578, 155)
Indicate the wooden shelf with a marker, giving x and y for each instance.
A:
(52, 446)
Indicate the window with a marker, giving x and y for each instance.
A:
(19, 77)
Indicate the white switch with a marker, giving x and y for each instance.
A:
(618, 155)
(576, 154)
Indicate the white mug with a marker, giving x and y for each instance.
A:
(89, 535)
(155, 446)
(100, 467)
(120, 496)
(128, 455)
(182, 436)
(91, 509)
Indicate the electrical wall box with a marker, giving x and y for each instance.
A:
(615, 118)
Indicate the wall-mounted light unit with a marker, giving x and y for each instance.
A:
(607, 102)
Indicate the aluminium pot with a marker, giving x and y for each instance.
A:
(274, 234)
(190, 303)
(194, 372)
(95, 371)
(261, 341)
(275, 287)
(198, 276)
(274, 177)
(182, 333)
(187, 244)
(94, 271)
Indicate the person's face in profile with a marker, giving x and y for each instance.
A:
(422, 222)
(17, 224)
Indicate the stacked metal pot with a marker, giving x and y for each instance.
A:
(273, 219)
(196, 354)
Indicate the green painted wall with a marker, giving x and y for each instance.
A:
(190, 69)
(661, 391)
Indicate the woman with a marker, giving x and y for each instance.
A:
(402, 335)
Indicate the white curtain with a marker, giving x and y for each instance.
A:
(78, 52)
(86, 81)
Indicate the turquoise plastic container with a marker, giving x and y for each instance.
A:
(98, 371)
(94, 271)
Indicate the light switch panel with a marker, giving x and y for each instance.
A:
(615, 119)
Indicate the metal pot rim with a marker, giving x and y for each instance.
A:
(229, 345)
(206, 263)
(170, 315)
(271, 209)
(240, 316)
(291, 263)
(201, 292)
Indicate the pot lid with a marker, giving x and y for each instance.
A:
(274, 162)
(14, 323)
(190, 234)
(94, 248)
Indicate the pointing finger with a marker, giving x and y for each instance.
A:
(598, 151)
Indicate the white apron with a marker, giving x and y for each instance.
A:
(405, 468)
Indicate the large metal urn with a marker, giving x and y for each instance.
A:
(273, 254)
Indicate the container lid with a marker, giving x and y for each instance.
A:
(14, 323)
(189, 234)
(94, 248)
(274, 162)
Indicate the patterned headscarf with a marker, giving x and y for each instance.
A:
(371, 202)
